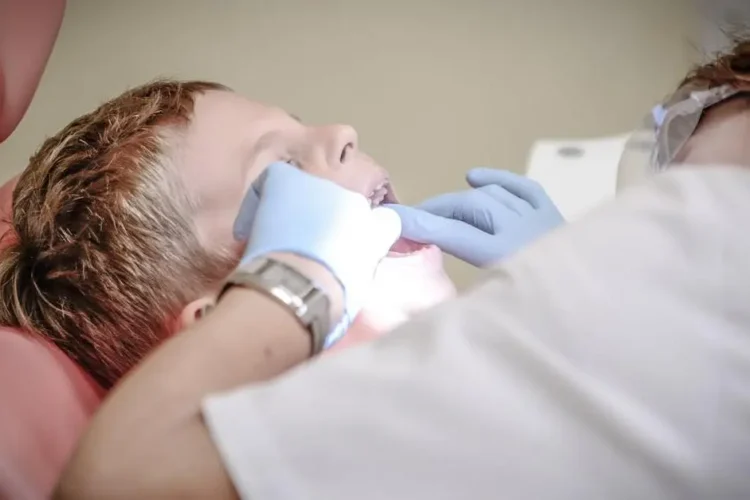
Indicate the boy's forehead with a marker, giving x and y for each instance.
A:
(233, 116)
(216, 158)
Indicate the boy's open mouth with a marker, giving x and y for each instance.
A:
(383, 193)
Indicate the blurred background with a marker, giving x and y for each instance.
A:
(432, 86)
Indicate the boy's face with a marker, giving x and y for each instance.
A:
(232, 139)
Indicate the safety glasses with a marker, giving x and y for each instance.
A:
(655, 144)
(673, 123)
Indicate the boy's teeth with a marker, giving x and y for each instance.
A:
(376, 201)
(378, 195)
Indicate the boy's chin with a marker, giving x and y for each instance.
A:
(405, 284)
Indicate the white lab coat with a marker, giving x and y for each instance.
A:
(611, 360)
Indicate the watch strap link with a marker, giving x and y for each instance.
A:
(290, 288)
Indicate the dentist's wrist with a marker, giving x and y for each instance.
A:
(321, 276)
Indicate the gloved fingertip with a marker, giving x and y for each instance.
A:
(479, 171)
(481, 176)
(387, 224)
(277, 171)
(243, 223)
(410, 217)
(418, 225)
(240, 232)
(387, 215)
(280, 165)
(401, 210)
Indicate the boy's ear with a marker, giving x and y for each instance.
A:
(194, 311)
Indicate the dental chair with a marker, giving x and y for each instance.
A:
(46, 401)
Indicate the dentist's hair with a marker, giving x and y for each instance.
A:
(103, 252)
(728, 68)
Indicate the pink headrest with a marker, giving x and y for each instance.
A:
(46, 401)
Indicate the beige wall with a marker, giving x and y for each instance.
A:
(433, 86)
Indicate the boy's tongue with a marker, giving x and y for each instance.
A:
(405, 247)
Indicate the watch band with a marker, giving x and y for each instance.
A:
(292, 289)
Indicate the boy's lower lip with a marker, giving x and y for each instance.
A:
(404, 247)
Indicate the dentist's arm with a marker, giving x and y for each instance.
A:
(500, 214)
(148, 440)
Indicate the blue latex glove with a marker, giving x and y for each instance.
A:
(502, 213)
(288, 210)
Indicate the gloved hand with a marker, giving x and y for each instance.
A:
(289, 210)
(502, 213)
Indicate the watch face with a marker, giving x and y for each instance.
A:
(295, 281)
(288, 278)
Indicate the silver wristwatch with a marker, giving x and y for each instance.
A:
(291, 288)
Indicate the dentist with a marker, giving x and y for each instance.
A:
(582, 367)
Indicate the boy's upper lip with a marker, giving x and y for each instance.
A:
(379, 190)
